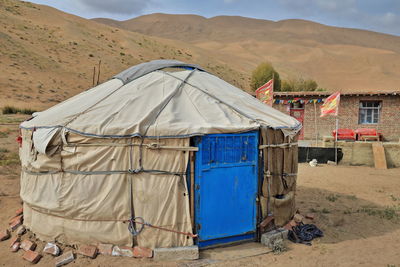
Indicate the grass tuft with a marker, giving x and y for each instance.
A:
(15, 110)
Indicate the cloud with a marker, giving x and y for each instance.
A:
(314, 7)
(121, 7)
(230, 1)
(382, 16)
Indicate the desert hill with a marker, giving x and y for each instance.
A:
(48, 55)
(337, 58)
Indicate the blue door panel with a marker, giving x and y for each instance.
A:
(226, 182)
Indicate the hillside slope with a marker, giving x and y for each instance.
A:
(338, 58)
(47, 56)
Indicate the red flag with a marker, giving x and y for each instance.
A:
(266, 92)
(331, 105)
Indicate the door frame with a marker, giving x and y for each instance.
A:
(302, 111)
(243, 237)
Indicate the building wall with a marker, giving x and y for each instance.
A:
(389, 120)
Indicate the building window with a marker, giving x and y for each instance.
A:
(369, 112)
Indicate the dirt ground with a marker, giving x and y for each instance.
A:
(358, 208)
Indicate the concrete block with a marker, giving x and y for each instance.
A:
(65, 258)
(122, 251)
(176, 253)
(268, 239)
(31, 256)
(88, 251)
(52, 249)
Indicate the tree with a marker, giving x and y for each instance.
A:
(262, 74)
(298, 84)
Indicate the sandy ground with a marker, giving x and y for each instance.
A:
(358, 208)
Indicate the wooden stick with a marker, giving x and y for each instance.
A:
(98, 74)
(191, 158)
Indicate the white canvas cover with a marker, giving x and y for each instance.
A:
(163, 104)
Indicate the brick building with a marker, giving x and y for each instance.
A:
(380, 111)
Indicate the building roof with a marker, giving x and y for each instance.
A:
(325, 94)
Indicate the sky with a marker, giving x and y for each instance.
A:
(376, 15)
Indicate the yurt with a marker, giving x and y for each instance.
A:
(164, 154)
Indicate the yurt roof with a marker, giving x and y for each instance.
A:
(146, 100)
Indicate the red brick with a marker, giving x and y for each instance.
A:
(105, 249)
(14, 240)
(31, 256)
(266, 221)
(65, 258)
(141, 252)
(19, 211)
(15, 247)
(28, 245)
(16, 218)
(88, 251)
(16, 222)
(310, 216)
(21, 230)
(290, 225)
(4, 235)
(52, 249)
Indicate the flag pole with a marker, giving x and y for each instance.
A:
(315, 122)
(336, 134)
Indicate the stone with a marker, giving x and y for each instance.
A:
(4, 235)
(31, 256)
(270, 238)
(329, 162)
(122, 251)
(88, 251)
(105, 249)
(141, 252)
(15, 247)
(21, 230)
(65, 258)
(19, 211)
(176, 253)
(28, 245)
(52, 249)
(298, 218)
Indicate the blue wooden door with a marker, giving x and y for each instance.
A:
(226, 179)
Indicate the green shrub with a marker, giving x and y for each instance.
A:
(15, 110)
(262, 74)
